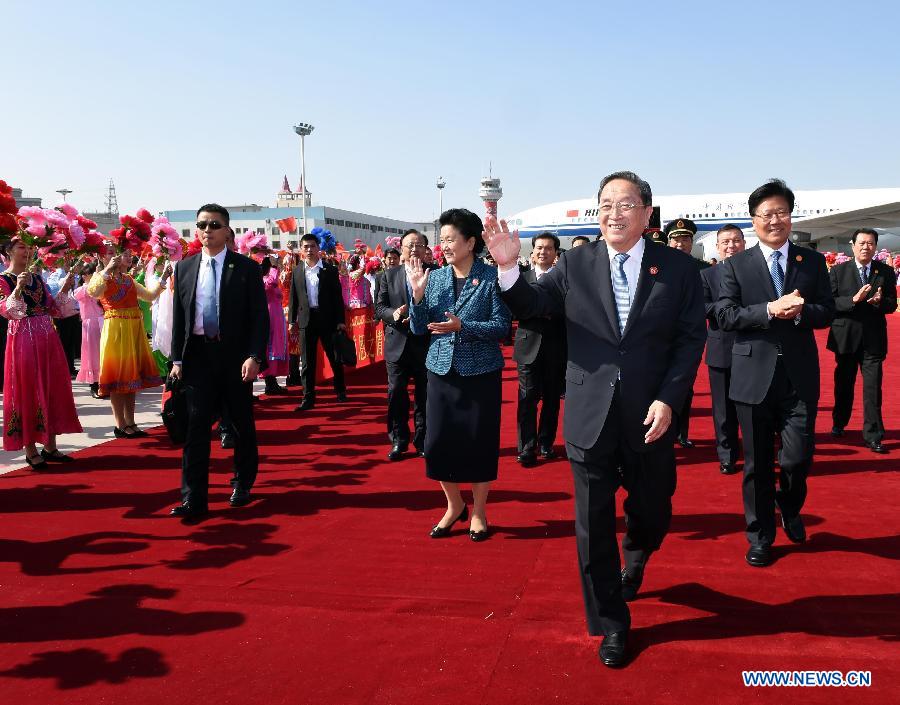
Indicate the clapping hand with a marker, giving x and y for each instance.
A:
(875, 300)
(167, 272)
(417, 276)
(503, 245)
(400, 313)
(788, 306)
(451, 325)
(862, 293)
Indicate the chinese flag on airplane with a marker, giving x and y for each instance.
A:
(572, 214)
(285, 225)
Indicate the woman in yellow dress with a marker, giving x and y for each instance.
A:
(126, 363)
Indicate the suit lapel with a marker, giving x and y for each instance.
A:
(469, 287)
(227, 269)
(604, 286)
(763, 274)
(792, 265)
(644, 285)
(189, 282)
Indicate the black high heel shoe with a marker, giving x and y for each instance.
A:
(440, 532)
(136, 432)
(477, 536)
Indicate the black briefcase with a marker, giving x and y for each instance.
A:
(344, 349)
(175, 413)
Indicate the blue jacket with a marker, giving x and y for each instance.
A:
(475, 348)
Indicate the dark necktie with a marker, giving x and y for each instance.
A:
(210, 305)
(777, 273)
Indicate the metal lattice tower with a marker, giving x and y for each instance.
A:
(112, 205)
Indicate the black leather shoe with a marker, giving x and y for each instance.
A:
(548, 452)
(728, 468)
(478, 536)
(239, 497)
(759, 556)
(227, 440)
(526, 459)
(837, 431)
(188, 511)
(341, 397)
(440, 532)
(685, 442)
(420, 452)
(305, 405)
(794, 529)
(37, 462)
(631, 584)
(613, 649)
(397, 451)
(876, 447)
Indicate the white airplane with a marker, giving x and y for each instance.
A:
(821, 219)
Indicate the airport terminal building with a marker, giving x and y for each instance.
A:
(345, 225)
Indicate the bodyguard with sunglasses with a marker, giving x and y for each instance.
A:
(220, 329)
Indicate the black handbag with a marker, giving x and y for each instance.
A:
(344, 349)
(175, 413)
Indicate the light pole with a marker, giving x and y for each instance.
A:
(63, 192)
(304, 130)
(440, 187)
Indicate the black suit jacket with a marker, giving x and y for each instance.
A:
(744, 290)
(331, 300)
(718, 341)
(861, 326)
(532, 333)
(656, 357)
(243, 312)
(391, 295)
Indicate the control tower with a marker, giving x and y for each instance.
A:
(490, 193)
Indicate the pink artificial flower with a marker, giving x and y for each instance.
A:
(76, 235)
(69, 210)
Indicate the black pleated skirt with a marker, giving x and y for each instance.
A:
(462, 435)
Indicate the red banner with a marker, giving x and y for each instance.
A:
(368, 335)
(286, 225)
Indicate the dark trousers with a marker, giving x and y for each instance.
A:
(69, 330)
(783, 412)
(309, 339)
(649, 479)
(844, 383)
(211, 386)
(684, 415)
(538, 380)
(410, 365)
(724, 415)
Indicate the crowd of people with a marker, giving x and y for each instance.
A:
(615, 327)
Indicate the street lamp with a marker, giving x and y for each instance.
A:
(440, 186)
(63, 192)
(304, 130)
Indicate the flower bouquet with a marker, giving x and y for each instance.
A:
(134, 233)
(165, 244)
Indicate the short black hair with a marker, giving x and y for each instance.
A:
(864, 231)
(643, 186)
(773, 188)
(468, 224)
(392, 251)
(581, 238)
(311, 237)
(725, 228)
(215, 208)
(413, 231)
(546, 236)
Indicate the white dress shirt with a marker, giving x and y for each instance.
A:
(312, 284)
(202, 277)
(538, 272)
(767, 253)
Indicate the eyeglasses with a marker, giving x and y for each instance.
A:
(768, 217)
(417, 246)
(211, 224)
(621, 206)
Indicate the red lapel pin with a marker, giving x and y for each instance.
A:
(654, 270)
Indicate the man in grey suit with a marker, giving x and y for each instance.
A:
(635, 332)
(729, 240)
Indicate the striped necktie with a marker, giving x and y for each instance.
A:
(863, 274)
(620, 290)
(777, 273)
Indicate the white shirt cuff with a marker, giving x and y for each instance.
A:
(508, 278)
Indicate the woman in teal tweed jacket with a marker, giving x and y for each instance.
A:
(460, 305)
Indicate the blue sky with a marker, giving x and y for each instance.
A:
(184, 103)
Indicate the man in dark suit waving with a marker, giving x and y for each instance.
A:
(773, 296)
(864, 291)
(635, 330)
(539, 353)
(729, 241)
(404, 353)
(220, 329)
(317, 309)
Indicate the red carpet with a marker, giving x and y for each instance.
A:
(327, 589)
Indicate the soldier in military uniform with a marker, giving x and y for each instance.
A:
(679, 234)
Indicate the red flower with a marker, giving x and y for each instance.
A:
(7, 203)
(4, 187)
(8, 224)
(194, 246)
(144, 215)
(86, 223)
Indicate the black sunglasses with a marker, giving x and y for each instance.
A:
(211, 224)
